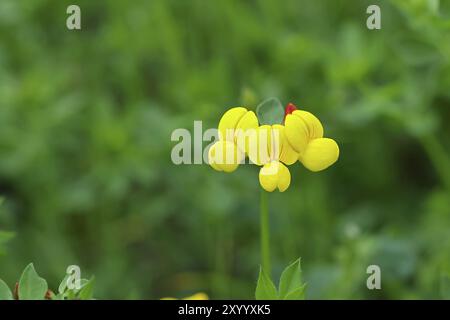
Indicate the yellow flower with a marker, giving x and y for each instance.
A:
(225, 156)
(227, 153)
(320, 154)
(269, 148)
(302, 127)
(197, 296)
(286, 154)
(272, 147)
(274, 175)
(304, 133)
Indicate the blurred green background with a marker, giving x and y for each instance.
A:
(85, 124)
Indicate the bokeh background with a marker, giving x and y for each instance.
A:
(86, 118)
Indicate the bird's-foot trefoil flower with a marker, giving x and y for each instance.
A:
(300, 137)
(229, 151)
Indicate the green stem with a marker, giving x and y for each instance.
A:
(264, 233)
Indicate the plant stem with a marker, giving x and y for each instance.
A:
(264, 233)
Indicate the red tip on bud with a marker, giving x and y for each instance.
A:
(289, 109)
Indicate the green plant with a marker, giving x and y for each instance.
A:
(291, 286)
(32, 287)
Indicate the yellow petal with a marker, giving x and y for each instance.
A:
(297, 132)
(259, 145)
(229, 121)
(274, 175)
(197, 296)
(245, 128)
(277, 139)
(225, 156)
(315, 129)
(248, 121)
(281, 149)
(284, 178)
(268, 177)
(320, 154)
(212, 156)
(288, 155)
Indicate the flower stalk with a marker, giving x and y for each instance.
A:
(264, 233)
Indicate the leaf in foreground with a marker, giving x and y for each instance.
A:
(5, 292)
(31, 286)
(265, 289)
(291, 279)
(86, 292)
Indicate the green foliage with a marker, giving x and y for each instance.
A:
(291, 286)
(32, 287)
(265, 289)
(5, 293)
(85, 292)
(87, 289)
(291, 280)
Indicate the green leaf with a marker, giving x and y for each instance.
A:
(63, 285)
(87, 290)
(296, 294)
(58, 296)
(69, 295)
(265, 289)
(31, 286)
(5, 292)
(270, 112)
(290, 279)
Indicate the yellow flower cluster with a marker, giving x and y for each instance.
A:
(272, 147)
